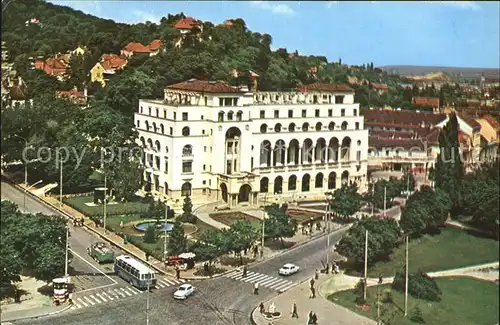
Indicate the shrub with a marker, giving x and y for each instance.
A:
(416, 316)
(359, 289)
(189, 218)
(170, 214)
(420, 286)
(387, 296)
(151, 235)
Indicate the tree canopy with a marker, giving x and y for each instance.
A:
(345, 201)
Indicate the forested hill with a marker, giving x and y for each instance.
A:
(220, 50)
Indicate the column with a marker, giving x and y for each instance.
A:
(339, 153)
(285, 162)
(300, 155)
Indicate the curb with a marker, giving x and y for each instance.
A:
(39, 316)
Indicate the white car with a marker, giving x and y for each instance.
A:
(288, 269)
(184, 291)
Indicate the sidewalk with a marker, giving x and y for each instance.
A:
(13, 315)
(338, 315)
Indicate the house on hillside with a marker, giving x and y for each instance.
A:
(427, 101)
(74, 96)
(57, 66)
(78, 51)
(490, 131)
(14, 92)
(107, 66)
(380, 88)
(154, 47)
(185, 25)
(134, 48)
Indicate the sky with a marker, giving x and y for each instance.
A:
(428, 33)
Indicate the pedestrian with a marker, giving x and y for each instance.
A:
(316, 274)
(255, 251)
(244, 271)
(121, 224)
(256, 288)
(294, 311)
(147, 257)
(311, 283)
(313, 293)
(314, 319)
(70, 298)
(309, 318)
(177, 273)
(82, 221)
(261, 252)
(337, 269)
(262, 308)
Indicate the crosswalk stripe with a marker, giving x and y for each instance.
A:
(100, 296)
(254, 278)
(160, 284)
(128, 293)
(276, 284)
(113, 293)
(135, 290)
(240, 276)
(107, 295)
(229, 274)
(168, 283)
(268, 281)
(93, 297)
(89, 300)
(120, 293)
(235, 274)
(82, 302)
(287, 287)
(182, 280)
(283, 285)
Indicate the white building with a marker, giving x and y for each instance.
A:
(217, 142)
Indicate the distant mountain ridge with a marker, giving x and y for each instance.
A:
(413, 70)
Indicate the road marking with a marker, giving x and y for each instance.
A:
(88, 300)
(288, 287)
(107, 276)
(101, 297)
(235, 274)
(82, 302)
(113, 293)
(101, 287)
(160, 284)
(268, 281)
(182, 280)
(276, 284)
(135, 290)
(283, 285)
(255, 278)
(167, 282)
(119, 292)
(128, 293)
(107, 295)
(93, 297)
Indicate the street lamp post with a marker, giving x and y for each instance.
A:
(147, 300)
(26, 189)
(105, 201)
(60, 182)
(263, 223)
(165, 235)
(327, 220)
(66, 252)
(25, 166)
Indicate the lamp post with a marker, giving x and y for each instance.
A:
(66, 252)
(27, 188)
(105, 201)
(25, 165)
(147, 300)
(61, 182)
(327, 220)
(263, 223)
(165, 235)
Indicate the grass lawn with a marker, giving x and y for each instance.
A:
(451, 249)
(229, 218)
(112, 209)
(464, 302)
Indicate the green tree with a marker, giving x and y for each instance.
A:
(150, 235)
(210, 245)
(278, 225)
(187, 211)
(177, 241)
(449, 167)
(383, 236)
(241, 236)
(345, 201)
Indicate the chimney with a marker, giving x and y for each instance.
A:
(85, 93)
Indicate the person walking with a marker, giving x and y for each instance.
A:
(309, 318)
(262, 309)
(177, 272)
(311, 283)
(316, 274)
(294, 311)
(313, 293)
(256, 288)
(314, 319)
(244, 271)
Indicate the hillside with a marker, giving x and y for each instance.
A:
(466, 73)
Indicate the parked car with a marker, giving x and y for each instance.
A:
(288, 269)
(184, 291)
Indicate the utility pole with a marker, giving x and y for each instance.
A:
(327, 220)
(263, 223)
(105, 200)
(385, 200)
(147, 300)
(408, 185)
(406, 278)
(66, 252)
(60, 182)
(373, 197)
(165, 236)
(366, 265)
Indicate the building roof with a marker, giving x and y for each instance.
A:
(113, 61)
(492, 121)
(379, 143)
(155, 44)
(430, 101)
(324, 87)
(470, 121)
(70, 93)
(380, 86)
(403, 119)
(205, 86)
(136, 47)
(186, 23)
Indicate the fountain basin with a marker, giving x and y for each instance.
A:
(162, 226)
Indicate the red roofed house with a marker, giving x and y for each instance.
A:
(134, 47)
(107, 66)
(154, 47)
(185, 25)
(57, 66)
(427, 101)
(490, 132)
(73, 95)
(380, 88)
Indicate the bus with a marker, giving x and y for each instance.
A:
(134, 272)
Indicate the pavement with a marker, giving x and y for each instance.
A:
(33, 313)
(338, 315)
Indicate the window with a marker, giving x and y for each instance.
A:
(157, 162)
(358, 155)
(262, 114)
(185, 131)
(331, 126)
(263, 128)
(230, 116)
(206, 100)
(204, 182)
(305, 127)
(339, 99)
(342, 112)
(171, 131)
(187, 167)
(165, 114)
(166, 165)
(290, 113)
(204, 167)
(276, 114)
(387, 152)
(205, 149)
(141, 109)
(291, 127)
(359, 142)
(184, 116)
(175, 116)
(157, 112)
(319, 126)
(277, 128)
(138, 123)
(316, 113)
(356, 125)
(187, 150)
(251, 163)
(202, 117)
(202, 131)
(186, 189)
(344, 126)
(228, 102)
(221, 102)
(304, 113)
(149, 110)
(330, 112)
(211, 131)
(239, 116)
(355, 112)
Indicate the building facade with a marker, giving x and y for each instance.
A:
(216, 142)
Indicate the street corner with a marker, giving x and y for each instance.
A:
(38, 312)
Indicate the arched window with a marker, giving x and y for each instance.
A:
(186, 189)
(154, 127)
(277, 128)
(263, 128)
(221, 116)
(143, 142)
(344, 126)
(291, 127)
(185, 131)
(162, 129)
(147, 125)
(230, 115)
(331, 126)
(150, 144)
(239, 116)
(187, 150)
(149, 110)
(319, 126)
(157, 145)
(305, 127)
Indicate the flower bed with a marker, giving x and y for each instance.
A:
(303, 216)
(229, 217)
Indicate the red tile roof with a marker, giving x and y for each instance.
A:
(324, 87)
(205, 86)
(380, 86)
(75, 96)
(379, 143)
(492, 121)
(136, 47)
(470, 121)
(155, 44)
(186, 23)
(402, 119)
(113, 62)
(428, 101)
